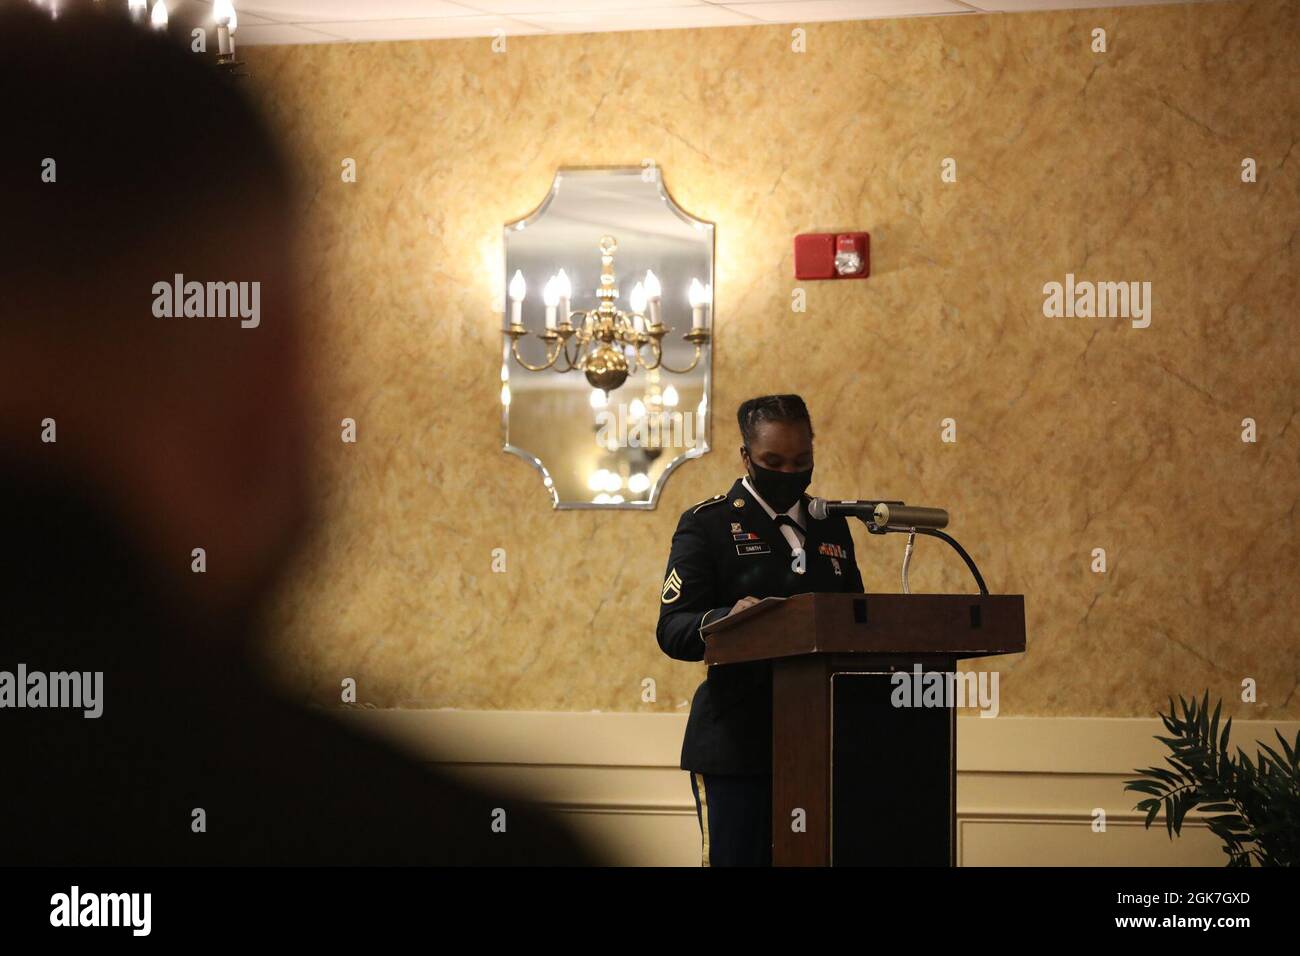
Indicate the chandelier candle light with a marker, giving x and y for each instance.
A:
(140, 12)
(223, 11)
(604, 334)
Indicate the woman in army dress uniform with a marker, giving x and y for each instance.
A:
(729, 551)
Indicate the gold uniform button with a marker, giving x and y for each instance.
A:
(739, 503)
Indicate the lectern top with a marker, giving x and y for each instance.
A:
(949, 625)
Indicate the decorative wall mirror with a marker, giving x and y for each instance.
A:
(607, 337)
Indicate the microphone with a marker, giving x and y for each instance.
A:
(821, 509)
(901, 516)
(881, 517)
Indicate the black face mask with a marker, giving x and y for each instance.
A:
(780, 489)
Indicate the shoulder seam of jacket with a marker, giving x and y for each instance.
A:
(704, 504)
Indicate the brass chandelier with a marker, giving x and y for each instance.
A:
(157, 15)
(602, 336)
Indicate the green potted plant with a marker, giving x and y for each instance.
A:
(1254, 806)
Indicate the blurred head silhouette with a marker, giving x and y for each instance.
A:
(132, 165)
(138, 189)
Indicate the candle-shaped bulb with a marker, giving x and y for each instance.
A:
(550, 298)
(159, 15)
(653, 290)
(565, 289)
(517, 286)
(638, 298)
(699, 296)
(223, 12)
(670, 396)
(696, 294)
(137, 9)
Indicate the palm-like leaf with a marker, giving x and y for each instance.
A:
(1252, 806)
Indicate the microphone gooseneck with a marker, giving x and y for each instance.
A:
(970, 563)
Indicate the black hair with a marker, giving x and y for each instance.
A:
(770, 408)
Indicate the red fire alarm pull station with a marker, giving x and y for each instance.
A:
(832, 255)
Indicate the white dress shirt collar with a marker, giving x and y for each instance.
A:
(796, 512)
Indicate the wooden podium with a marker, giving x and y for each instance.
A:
(877, 783)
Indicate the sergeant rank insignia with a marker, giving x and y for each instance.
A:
(672, 587)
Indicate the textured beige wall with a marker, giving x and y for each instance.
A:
(1072, 433)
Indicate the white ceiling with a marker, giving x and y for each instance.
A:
(340, 21)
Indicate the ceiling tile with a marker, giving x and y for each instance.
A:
(1022, 6)
(704, 15)
(431, 28)
(320, 11)
(800, 11)
(278, 34)
(536, 7)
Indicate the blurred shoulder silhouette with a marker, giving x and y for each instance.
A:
(141, 421)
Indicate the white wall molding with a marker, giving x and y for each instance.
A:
(1027, 786)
